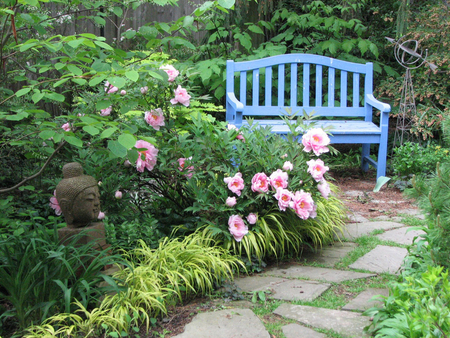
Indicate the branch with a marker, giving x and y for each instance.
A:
(38, 173)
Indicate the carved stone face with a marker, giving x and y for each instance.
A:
(86, 207)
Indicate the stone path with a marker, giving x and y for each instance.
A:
(294, 283)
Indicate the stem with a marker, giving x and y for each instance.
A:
(36, 174)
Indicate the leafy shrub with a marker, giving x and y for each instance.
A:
(417, 305)
(412, 158)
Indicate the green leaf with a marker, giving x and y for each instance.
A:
(117, 149)
(99, 20)
(127, 140)
(226, 3)
(79, 81)
(96, 80)
(75, 43)
(262, 295)
(73, 141)
(255, 29)
(132, 75)
(17, 117)
(60, 82)
(132, 155)
(103, 45)
(108, 132)
(116, 81)
(46, 134)
(59, 65)
(88, 35)
(55, 96)
(91, 130)
(102, 104)
(363, 46)
(37, 97)
(74, 69)
(27, 187)
(382, 180)
(23, 91)
(118, 11)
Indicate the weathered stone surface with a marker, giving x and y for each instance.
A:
(346, 323)
(355, 230)
(364, 300)
(283, 288)
(230, 323)
(329, 255)
(388, 218)
(381, 259)
(315, 273)
(357, 218)
(298, 331)
(401, 235)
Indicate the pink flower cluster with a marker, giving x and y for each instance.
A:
(109, 88)
(235, 183)
(181, 96)
(147, 156)
(316, 140)
(171, 72)
(155, 118)
(190, 169)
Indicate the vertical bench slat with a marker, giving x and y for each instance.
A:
(355, 90)
(343, 88)
(318, 86)
(293, 85)
(281, 85)
(243, 88)
(306, 84)
(255, 91)
(331, 79)
(268, 89)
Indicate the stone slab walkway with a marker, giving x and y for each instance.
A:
(296, 282)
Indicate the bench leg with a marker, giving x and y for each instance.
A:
(382, 156)
(365, 154)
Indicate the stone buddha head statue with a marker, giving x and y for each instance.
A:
(78, 196)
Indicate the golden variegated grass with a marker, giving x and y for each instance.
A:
(153, 278)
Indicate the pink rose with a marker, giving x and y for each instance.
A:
(144, 90)
(278, 179)
(101, 215)
(155, 118)
(106, 111)
(316, 140)
(66, 127)
(288, 166)
(123, 92)
(324, 188)
(147, 156)
(181, 96)
(235, 183)
(303, 205)
(181, 162)
(241, 137)
(232, 127)
(317, 169)
(260, 183)
(118, 194)
(109, 88)
(171, 71)
(284, 197)
(252, 218)
(54, 204)
(231, 202)
(237, 227)
(284, 156)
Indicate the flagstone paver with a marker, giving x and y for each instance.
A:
(355, 230)
(400, 235)
(229, 323)
(349, 324)
(364, 300)
(283, 288)
(329, 255)
(381, 259)
(299, 331)
(316, 273)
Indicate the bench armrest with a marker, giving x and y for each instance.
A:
(234, 102)
(383, 107)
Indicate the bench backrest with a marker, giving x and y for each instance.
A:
(327, 86)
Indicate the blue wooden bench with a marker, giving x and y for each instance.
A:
(339, 92)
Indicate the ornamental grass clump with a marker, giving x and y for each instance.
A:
(154, 279)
